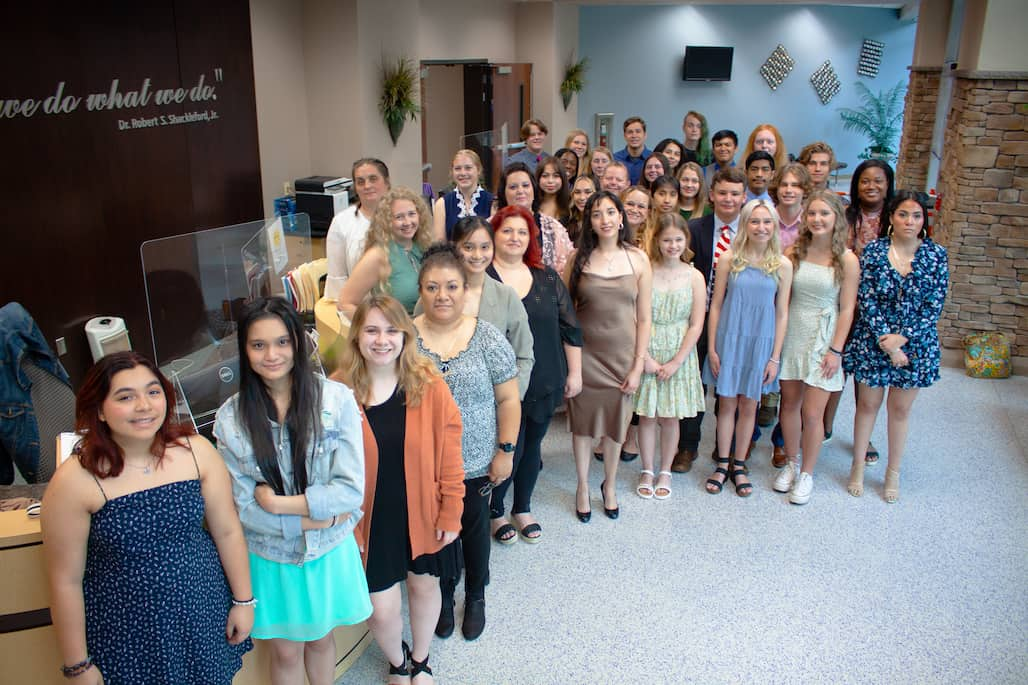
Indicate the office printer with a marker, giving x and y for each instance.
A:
(321, 198)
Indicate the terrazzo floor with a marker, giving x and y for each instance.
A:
(719, 589)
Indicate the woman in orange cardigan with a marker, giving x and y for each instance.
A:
(414, 479)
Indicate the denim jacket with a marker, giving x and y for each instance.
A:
(335, 478)
(19, 432)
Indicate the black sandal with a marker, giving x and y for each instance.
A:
(418, 667)
(719, 484)
(739, 469)
(402, 669)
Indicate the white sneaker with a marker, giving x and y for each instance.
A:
(801, 490)
(787, 476)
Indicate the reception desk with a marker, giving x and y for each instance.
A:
(28, 643)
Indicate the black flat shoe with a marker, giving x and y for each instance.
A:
(629, 456)
(611, 513)
(444, 627)
(474, 620)
(598, 456)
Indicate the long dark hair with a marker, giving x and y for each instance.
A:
(99, 453)
(563, 196)
(256, 406)
(587, 240)
(501, 185)
(901, 197)
(853, 211)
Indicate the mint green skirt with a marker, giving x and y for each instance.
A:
(304, 603)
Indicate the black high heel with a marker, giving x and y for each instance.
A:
(583, 516)
(611, 513)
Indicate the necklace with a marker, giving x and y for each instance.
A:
(610, 259)
(147, 469)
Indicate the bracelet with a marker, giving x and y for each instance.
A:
(834, 351)
(773, 361)
(252, 602)
(78, 669)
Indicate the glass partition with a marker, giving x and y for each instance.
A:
(196, 286)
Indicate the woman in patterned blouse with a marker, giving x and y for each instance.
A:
(895, 341)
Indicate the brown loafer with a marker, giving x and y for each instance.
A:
(778, 458)
(683, 461)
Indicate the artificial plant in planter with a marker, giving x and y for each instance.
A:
(399, 95)
(879, 118)
(574, 79)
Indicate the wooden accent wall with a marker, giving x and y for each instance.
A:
(84, 189)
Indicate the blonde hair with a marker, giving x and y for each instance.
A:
(781, 157)
(840, 231)
(571, 136)
(664, 222)
(592, 153)
(415, 372)
(473, 156)
(771, 261)
(702, 195)
(381, 231)
(640, 238)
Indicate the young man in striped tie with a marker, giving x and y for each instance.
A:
(710, 237)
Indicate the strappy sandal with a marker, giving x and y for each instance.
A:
(892, 486)
(645, 490)
(402, 670)
(715, 486)
(665, 488)
(419, 667)
(871, 457)
(739, 469)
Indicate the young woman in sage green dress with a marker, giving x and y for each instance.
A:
(671, 388)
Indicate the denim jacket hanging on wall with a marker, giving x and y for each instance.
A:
(19, 432)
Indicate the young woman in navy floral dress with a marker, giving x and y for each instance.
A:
(895, 341)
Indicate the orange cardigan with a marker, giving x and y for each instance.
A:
(433, 468)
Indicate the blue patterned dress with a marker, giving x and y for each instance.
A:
(890, 303)
(156, 597)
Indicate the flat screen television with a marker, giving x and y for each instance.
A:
(703, 63)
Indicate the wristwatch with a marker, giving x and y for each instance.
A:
(505, 446)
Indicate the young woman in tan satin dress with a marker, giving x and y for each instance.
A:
(609, 281)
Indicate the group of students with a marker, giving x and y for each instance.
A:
(468, 327)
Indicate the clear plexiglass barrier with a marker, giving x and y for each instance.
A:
(196, 286)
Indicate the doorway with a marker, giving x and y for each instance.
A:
(471, 105)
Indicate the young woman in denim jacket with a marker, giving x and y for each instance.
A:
(292, 443)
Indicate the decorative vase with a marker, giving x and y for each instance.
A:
(395, 129)
(566, 98)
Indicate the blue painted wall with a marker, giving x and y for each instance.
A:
(635, 55)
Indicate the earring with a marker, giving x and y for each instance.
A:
(889, 232)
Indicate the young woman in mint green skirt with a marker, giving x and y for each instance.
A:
(292, 443)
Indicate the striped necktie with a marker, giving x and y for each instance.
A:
(722, 244)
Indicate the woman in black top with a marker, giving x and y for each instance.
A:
(557, 372)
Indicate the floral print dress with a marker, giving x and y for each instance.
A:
(890, 303)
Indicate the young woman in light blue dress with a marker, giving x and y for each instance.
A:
(748, 315)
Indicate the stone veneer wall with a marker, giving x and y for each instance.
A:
(918, 121)
(983, 219)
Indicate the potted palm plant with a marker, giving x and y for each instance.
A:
(879, 118)
(399, 95)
